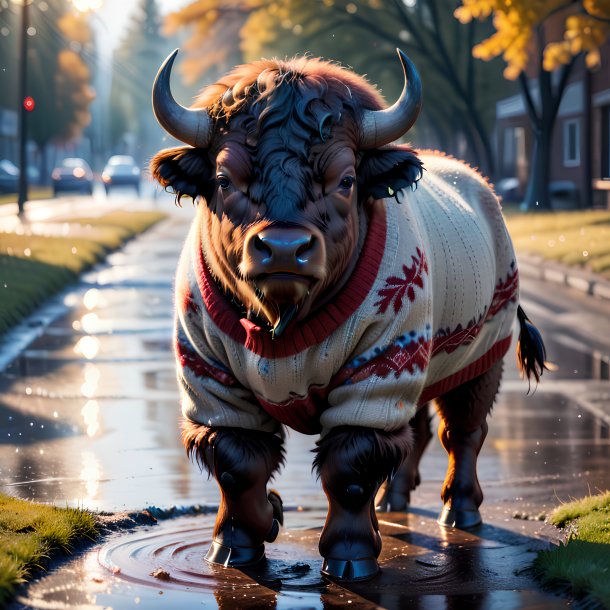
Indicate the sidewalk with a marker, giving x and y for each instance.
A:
(575, 277)
(91, 415)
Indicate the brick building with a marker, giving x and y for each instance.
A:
(580, 148)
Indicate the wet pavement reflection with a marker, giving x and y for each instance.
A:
(423, 566)
(89, 417)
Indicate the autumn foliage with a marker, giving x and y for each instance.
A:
(585, 27)
(74, 93)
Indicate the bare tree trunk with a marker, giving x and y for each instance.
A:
(537, 195)
(542, 120)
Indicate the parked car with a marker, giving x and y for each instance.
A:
(73, 174)
(9, 177)
(121, 170)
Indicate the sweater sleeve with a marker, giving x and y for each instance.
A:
(210, 393)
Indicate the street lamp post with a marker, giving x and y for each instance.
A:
(23, 73)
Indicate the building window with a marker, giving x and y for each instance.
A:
(571, 143)
(606, 143)
(513, 153)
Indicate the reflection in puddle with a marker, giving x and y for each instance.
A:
(90, 413)
(90, 474)
(92, 378)
(91, 298)
(88, 347)
(423, 567)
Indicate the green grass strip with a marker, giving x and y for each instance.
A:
(34, 267)
(582, 565)
(579, 238)
(34, 192)
(32, 533)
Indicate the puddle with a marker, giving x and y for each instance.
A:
(162, 566)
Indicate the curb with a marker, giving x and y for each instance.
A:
(584, 281)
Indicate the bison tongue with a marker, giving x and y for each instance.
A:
(287, 313)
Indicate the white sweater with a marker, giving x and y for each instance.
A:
(429, 306)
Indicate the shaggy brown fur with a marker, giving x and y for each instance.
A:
(260, 78)
(462, 431)
(363, 450)
(237, 447)
(285, 135)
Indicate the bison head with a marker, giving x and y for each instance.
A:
(288, 157)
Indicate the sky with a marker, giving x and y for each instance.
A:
(114, 16)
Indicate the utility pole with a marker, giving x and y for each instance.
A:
(23, 73)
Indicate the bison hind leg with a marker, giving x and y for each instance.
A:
(462, 431)
(395, 493)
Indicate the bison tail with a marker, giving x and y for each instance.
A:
(531, 353)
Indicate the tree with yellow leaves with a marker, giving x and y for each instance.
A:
(58, 75)
(536, 38)
(460, 92)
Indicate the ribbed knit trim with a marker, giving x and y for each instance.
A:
(298, 336)
(476, 368)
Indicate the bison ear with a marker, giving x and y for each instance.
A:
(185, 170)
(385, 171)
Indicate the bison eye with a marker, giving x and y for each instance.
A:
(223, 182)
(347, 182)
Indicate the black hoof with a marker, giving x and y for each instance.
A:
(462, 519)
(346, 570)
(278, 506)
(397, 502)
(273, 532)
(233, 557)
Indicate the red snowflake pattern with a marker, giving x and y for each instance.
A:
(447, 340)
(505, 292)
(395, 360)
(397, 287)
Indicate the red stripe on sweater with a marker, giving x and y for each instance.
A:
(317, 327)
(190, 359)
(303, 414)
(474, 369)
(300, 414)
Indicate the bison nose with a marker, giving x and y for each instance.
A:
(287, 250)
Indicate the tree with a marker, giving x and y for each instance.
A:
(9, 45)
(58, 77)
(459, 91)
(136, 61)
(535, 39)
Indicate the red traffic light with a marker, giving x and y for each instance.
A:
(29, 104)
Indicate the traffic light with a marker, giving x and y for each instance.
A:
(28, 103)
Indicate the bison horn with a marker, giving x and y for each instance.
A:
(193, 127)
(379, 127)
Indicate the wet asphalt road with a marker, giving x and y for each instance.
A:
(88, 417)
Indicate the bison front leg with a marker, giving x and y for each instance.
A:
(242, 462)
(462, 431)
(352, 463)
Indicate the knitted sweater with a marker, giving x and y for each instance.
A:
(430, 305)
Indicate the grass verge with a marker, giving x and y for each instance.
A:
(579, 238)
(32, 533)
(34, 192)
(33, 267)
(582, 564)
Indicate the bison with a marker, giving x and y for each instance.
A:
(329, 284)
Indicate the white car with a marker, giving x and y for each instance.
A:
(121, 170)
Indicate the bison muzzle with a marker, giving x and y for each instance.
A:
(328, 284)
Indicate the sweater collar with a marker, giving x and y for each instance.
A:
(317, 327)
